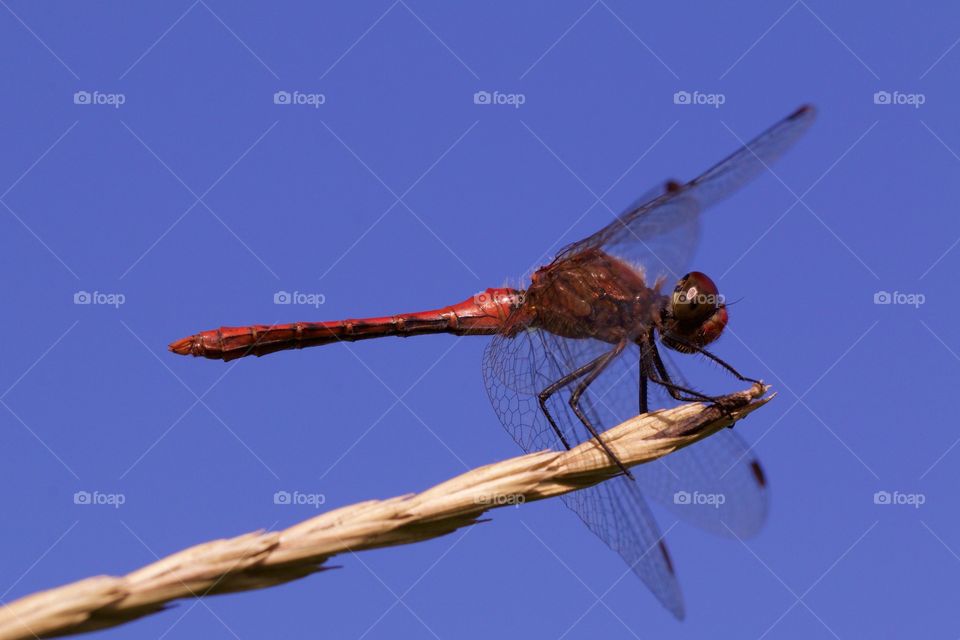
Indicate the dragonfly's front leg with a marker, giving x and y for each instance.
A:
(659, 375)
(676, 391)
(719, 361)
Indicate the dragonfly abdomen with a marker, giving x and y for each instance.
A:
(482, 314)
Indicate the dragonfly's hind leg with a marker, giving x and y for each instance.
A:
(589, 372)
(598, 366)
(544, 395)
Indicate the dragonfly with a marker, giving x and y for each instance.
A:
(576, 353)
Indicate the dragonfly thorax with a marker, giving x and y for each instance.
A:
(592, 294)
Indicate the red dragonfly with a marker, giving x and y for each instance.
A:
(576, 353)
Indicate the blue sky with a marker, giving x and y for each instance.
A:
(148, 160)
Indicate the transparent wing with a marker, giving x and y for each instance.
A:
(618, 514)
(515, 370)
(652, 194)
(660, 242)
(751, 160)
(661, 234)
(716, 484)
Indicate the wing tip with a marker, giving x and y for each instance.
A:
(666, 557)
(675, 607)
(758, 475)
(806, 110)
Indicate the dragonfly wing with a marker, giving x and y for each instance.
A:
(660, 242)
(661, 234)
(716, 484)
(751, 160)
(515, 370)
(652, 194)
(618, 514)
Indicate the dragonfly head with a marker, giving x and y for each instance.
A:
(695, 314)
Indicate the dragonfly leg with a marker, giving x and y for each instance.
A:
(599, 365)
(676, 391)
(662, 378)
(544, 395)
(644, 408)
(646, 368)
(719, 361)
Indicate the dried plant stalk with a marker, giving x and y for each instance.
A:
(263, 559)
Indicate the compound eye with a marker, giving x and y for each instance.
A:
(695, 300)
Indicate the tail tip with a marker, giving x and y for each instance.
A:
(183, 347)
